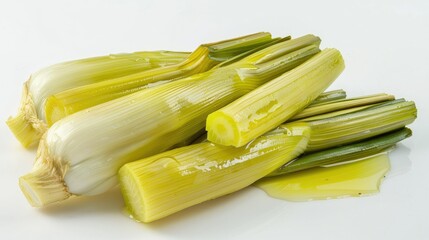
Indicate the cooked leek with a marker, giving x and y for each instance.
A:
(91, 82)
(273, 103)
(81, 154)
(163, 184)
(325, 98)
(28, 126)
(202, 59)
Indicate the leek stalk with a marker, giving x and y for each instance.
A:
(273, 103)
(81, 154)
(205, 57)
(28, 125)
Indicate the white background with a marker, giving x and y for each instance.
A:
(386, 48)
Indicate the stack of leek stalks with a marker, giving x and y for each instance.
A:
(140, 118)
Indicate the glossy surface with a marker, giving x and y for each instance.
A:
(166, 183)
(29, 124)
(349, 152)
(95, 143)
(349, 180)
(77, 99)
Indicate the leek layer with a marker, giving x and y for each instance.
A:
(202, 59)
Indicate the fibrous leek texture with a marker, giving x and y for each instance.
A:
(84, 151)
(160, 185)
(29, 124)
(63, 89)
(276, 101)
(359, 125)
(331, 106)
(166, 183)
(202, 59)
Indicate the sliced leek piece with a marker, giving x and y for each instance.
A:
(325, 97)
(273, 103)
(166, 183)
(81, 154)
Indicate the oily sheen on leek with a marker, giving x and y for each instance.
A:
(163, 184)
(81, 154)
(276, 101)
(166, 183)
(344, 154)
(202, 59)
(29, 125)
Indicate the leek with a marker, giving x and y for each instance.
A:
(206, 56)
(81, 154)
(273, 103)
(28, 125)
(163, 184)
(86, 83)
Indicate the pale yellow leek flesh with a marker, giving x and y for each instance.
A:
(29, 124)
(163, 184)
(273, 103)
(202, 59)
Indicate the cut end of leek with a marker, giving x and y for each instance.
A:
(166, 183)
(226, 132)
(44, 184)
(276, 101)
(40, 188)
(133, 195)
(26, 126)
